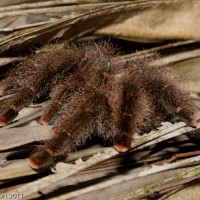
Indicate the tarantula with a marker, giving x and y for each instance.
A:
(90, 93)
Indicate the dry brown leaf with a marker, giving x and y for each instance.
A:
(138, 20)
(14, 2)
(22, 135)
(191, 192)
(5, 61)
(73, 28)
(170, 21)
(22, 17)
(188, 73)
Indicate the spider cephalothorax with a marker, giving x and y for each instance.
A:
(92, 94)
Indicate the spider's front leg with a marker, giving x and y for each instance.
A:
(33, 78)
(82, 105)
(75, 124)
(61, 94)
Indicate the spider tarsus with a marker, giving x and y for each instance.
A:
(41, 159)
(7, 116)
(121, 147)
(2, 91)
(2, 122)
(191, 122)
(33, 164)
(43, 121)
(187, 118)
(122, 142)
(53, 131)
(48, 115)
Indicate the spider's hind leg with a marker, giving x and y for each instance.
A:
(172, 101)
(179, 105)
(138, 113)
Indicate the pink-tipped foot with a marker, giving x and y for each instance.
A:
(33, 164)
(2, 91)
(2, 122)
(193, 123)
(121, 147)
(53, 131)
(43, 121)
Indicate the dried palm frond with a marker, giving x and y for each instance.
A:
(169, 157)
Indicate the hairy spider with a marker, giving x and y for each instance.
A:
(91, 94)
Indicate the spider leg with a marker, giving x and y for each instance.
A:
(9, 89)
(77, 120)
(34, 77)
(59, 96)
(120, 136)
(108, 123)
(71, 128)
(137, 115)
(166, 95)
(7, 114)
(91, 64)
(177, 103)
(64, 91)
(10, 109)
